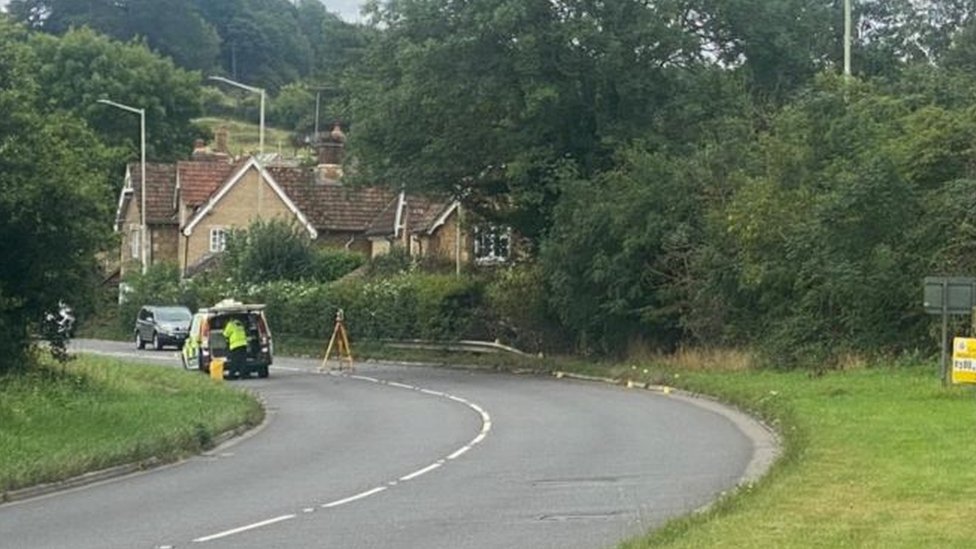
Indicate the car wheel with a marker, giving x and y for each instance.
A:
(263, 372)
(140, 344)
(158, 345)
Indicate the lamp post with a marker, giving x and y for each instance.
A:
(253, 90)
(143, 232)
(847, 38)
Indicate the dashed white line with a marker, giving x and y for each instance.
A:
(423, 471)
(485, 427)
(351, 499)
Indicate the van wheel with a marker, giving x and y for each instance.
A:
(140, 344)
(263, 372)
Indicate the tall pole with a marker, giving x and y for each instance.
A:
(318, 95)
(143, 229)
(251, 89)
(142, 207)
(261, 131)
(847, 38)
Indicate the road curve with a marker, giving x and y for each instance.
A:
(411, 457)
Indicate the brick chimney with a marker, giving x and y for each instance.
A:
(331, 149)
(220, 140)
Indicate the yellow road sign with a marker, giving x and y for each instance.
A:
(964, 360)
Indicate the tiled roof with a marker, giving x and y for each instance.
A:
(421, 211)
(331, 206)
(199, 180)
(424, 212)
(159, 191)
(383, 223)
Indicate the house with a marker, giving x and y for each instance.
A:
(192, 205)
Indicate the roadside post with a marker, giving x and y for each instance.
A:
(339, 341)
(948, 295)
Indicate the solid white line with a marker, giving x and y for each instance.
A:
(459, 452)
(400, 385)
(244, 528)
(423, 471)
(350, 499)
(432, 393)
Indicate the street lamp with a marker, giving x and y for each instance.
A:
(143, 232)
(847, 38)
(250, 89)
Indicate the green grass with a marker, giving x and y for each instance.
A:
(245, 137)
(874, 457)
(57, 422)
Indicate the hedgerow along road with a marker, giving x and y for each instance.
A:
(414, 457)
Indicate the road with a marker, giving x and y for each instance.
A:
(412, 457)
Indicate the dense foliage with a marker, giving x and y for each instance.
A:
(680, 172)
(53, 201)
(81, 67)
(268, 251)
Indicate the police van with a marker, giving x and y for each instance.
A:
(206, 340)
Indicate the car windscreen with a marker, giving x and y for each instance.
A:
(173, 315)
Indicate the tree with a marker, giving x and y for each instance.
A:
(493, 100)
(275, 250)
(262, 42)
(173, 28)
(779, 44)
(78, 69)
(54, 205)
(837, 228)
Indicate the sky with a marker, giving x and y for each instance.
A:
(347, 9)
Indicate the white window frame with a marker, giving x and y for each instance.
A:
(492, 244)
(218, 239)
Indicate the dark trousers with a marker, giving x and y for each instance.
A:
(237, 359)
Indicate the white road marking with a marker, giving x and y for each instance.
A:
(350, 499)
(485, 428)
(423, 471)
(244, 528)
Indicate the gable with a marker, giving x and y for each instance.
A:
(161, 182)
(239, 178)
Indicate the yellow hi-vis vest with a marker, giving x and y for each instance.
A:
(235, 335)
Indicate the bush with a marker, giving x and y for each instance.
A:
(405, 306)
(518, 313)
(328, 265)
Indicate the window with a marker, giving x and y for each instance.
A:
(218, 239)
(134, 243)
(491, 244)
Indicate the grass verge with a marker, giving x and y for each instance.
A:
(873, 457)
(60, 421)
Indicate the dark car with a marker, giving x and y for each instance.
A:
(162, 325)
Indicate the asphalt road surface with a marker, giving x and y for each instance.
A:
(397, 456)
